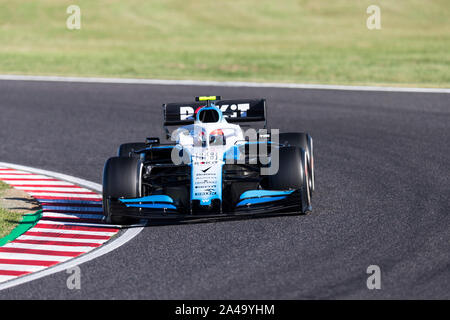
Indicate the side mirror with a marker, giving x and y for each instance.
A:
(151, 141)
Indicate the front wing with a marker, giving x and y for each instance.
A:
(148, 208)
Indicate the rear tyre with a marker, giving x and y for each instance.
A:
(121, 178)
(126, 149)
(301, 140)
(293, 174)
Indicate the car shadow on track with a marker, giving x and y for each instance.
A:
(168, 222)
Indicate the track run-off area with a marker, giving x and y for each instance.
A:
(70, 224)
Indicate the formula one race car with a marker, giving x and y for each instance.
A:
(213, 168)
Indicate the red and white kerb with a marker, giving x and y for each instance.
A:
(71, 225)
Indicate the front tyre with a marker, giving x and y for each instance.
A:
(304, 141)
(121, 178)
(293, 174)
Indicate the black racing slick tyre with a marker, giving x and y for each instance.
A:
(126, 149)
(301, 140)
(293, 174)
(121, 178)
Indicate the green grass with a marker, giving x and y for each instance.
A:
(309, 41)
(8, 219)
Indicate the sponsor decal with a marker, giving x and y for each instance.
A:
(228, 110)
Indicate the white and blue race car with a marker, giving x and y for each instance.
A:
(215, 166)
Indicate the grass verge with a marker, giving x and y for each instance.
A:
(13, 223)
(307, 41)
(8, 219)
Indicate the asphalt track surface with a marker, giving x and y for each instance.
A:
(382, 195)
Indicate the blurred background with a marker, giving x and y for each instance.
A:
(307, 41)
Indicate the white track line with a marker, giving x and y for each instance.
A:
(221, 84)
(43, 226)
(82, 224)
(31, 189)
(37, 182)
(68, 195)
(23, 176)
(3, 172)
(6, 278)
(45, 247)
(21, 267)
(31, 257)
(59, 239)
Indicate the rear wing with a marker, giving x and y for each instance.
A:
(242, 110)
